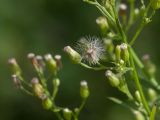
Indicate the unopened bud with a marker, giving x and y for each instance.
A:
(152, 94)
(16, 81)
(149, 67)
(114, 81)
(136, 13)
(138, 97)
(111, 34)
(37, 88)
(118, 53)
(67, 114)
(31, 56)
(138, 115)
(102, 22)
(40, 62)
(51, 63)
(84, 90)
(34, 61)
(124, 52)
(74, 56)
(47, 103)
(14, 66)
(123, 9)
(58, 61)
(56, 82)
(109, 45)
(155, 4)
(142, 9)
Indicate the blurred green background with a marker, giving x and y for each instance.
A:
(46, 26)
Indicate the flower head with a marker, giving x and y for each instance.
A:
(91, 49)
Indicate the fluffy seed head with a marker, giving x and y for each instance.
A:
(91, 49)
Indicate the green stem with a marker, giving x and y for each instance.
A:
(138, 84)
(23, 81)
(142, 24)
(137, 33)
(55, 91)
(59, 116)
(26, 91)
(79, 109)
(152, 81)
(81, 106)
(153, 112)
(103, 10)
(119, 26)
(142, 2)
(145, 104)
(132, 5)
(136, 59)
(94, 68)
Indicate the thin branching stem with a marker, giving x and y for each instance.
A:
(135, 75)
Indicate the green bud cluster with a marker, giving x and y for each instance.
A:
(38, 87)
(122, 52)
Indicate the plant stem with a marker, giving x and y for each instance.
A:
(137, 33)
(136, 59)
(26, 91)
(94, 68)
(119, 26)
(142, 24)
(142, 2)
(153, 112)
(59, 116)
(135, 75)
(81, 106)
(132, 5)
(138, 84)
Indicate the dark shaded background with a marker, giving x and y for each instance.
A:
(46, 26)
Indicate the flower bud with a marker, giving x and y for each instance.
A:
(123, 9)
(34, 61)
(138, 97)
(136, 13)
(47, 103)
(138, 115)
(109, 45)
(142, 9)
(124, 52)
(149, 67)
(152, 94)
(114, 81)
(40, 62)
(84, 90)
(111, 35)
(74, 56)
(67, 114)
(16, 81)
(51, 63)
(58, 61)
(56, 82)
(118, 53)
(32, 57)
(155, 4)
(103, 24)
(14, 66)
(37, 88)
